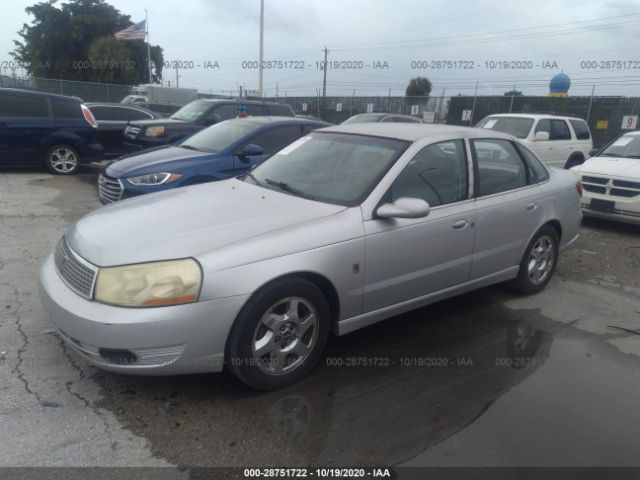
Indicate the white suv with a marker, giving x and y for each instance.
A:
(558, 141)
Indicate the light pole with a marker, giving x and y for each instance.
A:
(260, 70)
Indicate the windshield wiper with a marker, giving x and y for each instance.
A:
(285, 187)
(182, 145)
(252, 177)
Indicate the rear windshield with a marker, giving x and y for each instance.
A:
(518, 127)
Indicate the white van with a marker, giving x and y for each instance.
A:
(558, 141)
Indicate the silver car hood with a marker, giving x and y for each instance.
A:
(187, 222)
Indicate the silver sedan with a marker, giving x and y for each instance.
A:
(345, 227)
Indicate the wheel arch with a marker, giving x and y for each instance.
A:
(325, 285)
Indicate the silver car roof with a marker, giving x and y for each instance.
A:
(414, 132)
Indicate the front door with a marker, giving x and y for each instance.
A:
(409, 258)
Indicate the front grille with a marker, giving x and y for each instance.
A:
(594, 188)
(626, 184)
(596, 180)
(132, 132)
(109, 189)
(611, 187)
(78, 275)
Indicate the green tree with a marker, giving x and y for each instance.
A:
(75, 42)
(418, 89)
(513, 93)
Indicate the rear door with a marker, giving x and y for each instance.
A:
(561, 137)
(25, 123)
(271, 140)
(507, 202)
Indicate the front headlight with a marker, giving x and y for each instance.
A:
(150, 284)
(154, 131)
(154, 179)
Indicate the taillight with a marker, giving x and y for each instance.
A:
(579, 187)
(88, 116)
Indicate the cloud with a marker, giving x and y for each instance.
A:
(285, 16)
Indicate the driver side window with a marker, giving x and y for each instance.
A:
(437, 174)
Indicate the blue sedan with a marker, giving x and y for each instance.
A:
(224, 150)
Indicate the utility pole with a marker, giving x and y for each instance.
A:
(146, 27)
(261, 73)
(177, 78)
(324, 80)
(276, 89)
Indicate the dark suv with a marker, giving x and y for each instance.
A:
(194, 117)
(38, 127)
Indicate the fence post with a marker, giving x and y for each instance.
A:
(593, 90)
(473, 107)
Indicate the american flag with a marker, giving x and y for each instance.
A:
(137, 31)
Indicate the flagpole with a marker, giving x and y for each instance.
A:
(146, 25)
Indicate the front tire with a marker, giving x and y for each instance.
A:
(538, 262)
(62, 160)
(279, 335)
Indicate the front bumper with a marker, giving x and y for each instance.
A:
(625, 210)
(171, 340)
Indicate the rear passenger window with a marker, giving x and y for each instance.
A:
(23, 106)
(581, 128)
(500, 167)
(560, 130)
(437, 174)
(66, 109)
(536, 171)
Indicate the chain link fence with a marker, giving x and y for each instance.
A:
(87, 91)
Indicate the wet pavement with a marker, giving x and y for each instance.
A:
(486, 379)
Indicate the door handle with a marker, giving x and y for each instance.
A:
(532, 206)
(460, 224)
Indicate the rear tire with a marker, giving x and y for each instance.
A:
(279, 335)
(538, 262)
(62, 160)
(574, 161)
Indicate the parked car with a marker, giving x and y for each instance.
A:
(41, 128)
(611, 180)
(344, 227)
(194, 117)
(559, 141)
(112, 119)
(221, 151)
(381, 117)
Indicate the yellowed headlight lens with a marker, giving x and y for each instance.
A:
(150, 284)
(154, 131)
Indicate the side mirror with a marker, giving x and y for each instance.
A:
(404, 207)
(593, 152)
(251, 150)
(541, 137)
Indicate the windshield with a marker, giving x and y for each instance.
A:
(331, 167)
(365, 118)
(518, 127)
(624, 146)
(191, 112)
(220, 136)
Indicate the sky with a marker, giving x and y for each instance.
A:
(376, 46)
